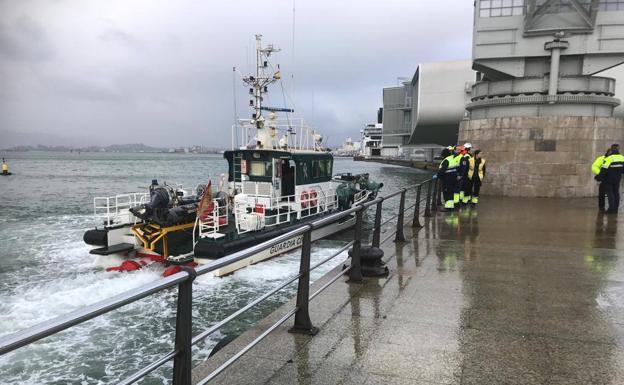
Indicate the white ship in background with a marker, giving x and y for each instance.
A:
(349, 149)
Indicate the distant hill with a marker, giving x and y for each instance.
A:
(136, 147)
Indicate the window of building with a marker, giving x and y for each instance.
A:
(611, 5)
(407, 119)
(560, 6)
(259, 168)
(500, 8)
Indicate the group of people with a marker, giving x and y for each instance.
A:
(461, 174)
(608, 170)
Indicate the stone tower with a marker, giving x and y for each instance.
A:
(539, 109)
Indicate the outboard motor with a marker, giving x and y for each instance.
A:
(166, 206)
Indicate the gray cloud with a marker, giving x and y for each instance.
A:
(22, 39)
(160, 72)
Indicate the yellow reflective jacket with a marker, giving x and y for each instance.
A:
(480, 168)
(595, 167)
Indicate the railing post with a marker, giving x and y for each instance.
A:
(434, 199)
(416, 220)
(400, 237)
(303, 324)
(377, 229)
(355, 273)
(182, 364)
(428, 204)
(439, 194)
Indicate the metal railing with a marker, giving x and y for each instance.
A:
(181, 355)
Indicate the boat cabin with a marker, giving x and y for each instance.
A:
(275, 173)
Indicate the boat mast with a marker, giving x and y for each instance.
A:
(259, 83)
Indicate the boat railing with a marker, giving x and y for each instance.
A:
(115, 209)
(301, 136)
(426, 196)
(210, 225)
(255, 212)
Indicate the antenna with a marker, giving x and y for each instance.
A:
(234, 102)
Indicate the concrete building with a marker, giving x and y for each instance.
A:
(427, 108)
(541, 108)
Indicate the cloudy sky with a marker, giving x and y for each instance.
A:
(158, 72)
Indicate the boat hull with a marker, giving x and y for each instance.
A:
(280, 248)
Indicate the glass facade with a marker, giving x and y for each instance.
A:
(499, 8)
(611, 5)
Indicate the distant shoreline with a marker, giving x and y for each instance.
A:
(118, 148)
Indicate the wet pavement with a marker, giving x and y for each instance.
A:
(516, 291)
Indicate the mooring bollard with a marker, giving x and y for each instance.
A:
(182, 364)
(303, 324)
(355, 273)
(400, 237)
(416, 219)
(377, 226)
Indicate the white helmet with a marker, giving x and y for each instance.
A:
(467, 145)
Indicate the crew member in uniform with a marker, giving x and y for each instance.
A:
(448, 177)
(465, 193)
(458, 155)
(601, 186)
(5, 167)
(476, 173)
(611, 173)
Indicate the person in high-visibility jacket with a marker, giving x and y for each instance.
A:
(476, 173)
(601, 186)
(465, 192)
(5, 167)
(458, 194)
(447, 173)
(611, 173)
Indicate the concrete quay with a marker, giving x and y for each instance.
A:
(516, 291)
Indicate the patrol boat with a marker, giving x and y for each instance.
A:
(279, 178)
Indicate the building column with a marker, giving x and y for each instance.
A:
(555, 47)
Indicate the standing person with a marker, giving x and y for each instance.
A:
(447, 174)
(5, 167)
(476, 173)
(458, 155)
(611, 174)
(465, 193)
(601, 186)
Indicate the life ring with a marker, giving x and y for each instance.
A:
(304, 199)
(313, 198)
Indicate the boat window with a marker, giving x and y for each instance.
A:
(328, 167)
(261, 169)
(316, 169)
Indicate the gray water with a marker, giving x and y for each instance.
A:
(46, 270)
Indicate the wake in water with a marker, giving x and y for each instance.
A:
(112, 346)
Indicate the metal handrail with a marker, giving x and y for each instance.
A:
(184, 279)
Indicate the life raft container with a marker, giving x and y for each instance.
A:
(305, 199)
(308, 199)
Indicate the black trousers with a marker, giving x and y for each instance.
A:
(602, 192)
(613, 195)
(467, 185)
(475, 186)
(449, 186)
